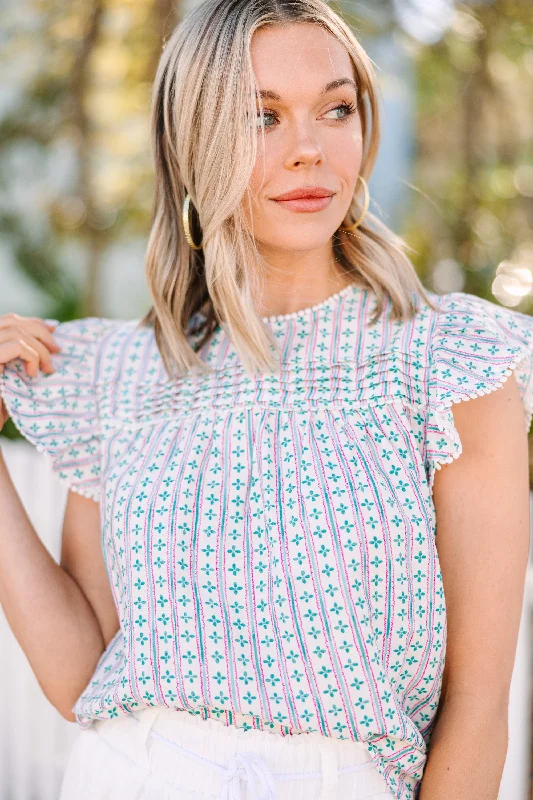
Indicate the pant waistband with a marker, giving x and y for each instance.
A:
(250, 768)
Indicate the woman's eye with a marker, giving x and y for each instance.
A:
(348, 109)
(261, 119)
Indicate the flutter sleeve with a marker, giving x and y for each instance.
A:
(475, 345)
(58, 412)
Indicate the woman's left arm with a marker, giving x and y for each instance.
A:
(482, 537)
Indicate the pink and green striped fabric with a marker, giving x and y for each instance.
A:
(270, 540)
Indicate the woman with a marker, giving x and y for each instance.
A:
(262, 456)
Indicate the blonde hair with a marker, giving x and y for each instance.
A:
(203, 139)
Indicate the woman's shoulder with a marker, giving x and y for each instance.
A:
(459, 313)
(455, 348)
(80, 341)
(475, 344)
(127, 351)
(95, 352)
(467, 333)
(92, 335)
(58, 411)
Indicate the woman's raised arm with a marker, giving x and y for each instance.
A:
(48, 612)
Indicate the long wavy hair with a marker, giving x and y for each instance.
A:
(204, 143)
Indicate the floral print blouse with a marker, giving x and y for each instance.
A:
(270, 540)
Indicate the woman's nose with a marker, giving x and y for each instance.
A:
(305, 149)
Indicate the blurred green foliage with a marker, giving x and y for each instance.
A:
(471, 219)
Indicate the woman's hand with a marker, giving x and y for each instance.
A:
(29, 338)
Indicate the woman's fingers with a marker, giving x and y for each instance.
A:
(28, 339)
(36, 326)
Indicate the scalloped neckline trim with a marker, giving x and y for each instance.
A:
(305, 312)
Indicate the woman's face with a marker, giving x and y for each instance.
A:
(312, 138)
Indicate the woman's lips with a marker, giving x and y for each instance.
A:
(306, 203)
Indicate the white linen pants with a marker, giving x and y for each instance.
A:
(164, 754)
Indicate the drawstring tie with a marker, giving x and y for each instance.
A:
(252, 768)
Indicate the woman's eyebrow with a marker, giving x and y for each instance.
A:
(269, 95)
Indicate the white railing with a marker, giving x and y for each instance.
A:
(35, 740)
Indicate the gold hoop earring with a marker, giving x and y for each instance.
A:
(366, 205)
(187, 224)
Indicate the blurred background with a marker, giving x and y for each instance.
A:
(454, 177)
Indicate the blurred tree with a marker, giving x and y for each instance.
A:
(424, 21)
(472, 211)
(83, 73)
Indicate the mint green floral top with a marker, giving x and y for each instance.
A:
(270, 540)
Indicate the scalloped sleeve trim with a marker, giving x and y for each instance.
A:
(475, 346)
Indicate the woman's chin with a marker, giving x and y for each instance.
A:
(301, 242)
